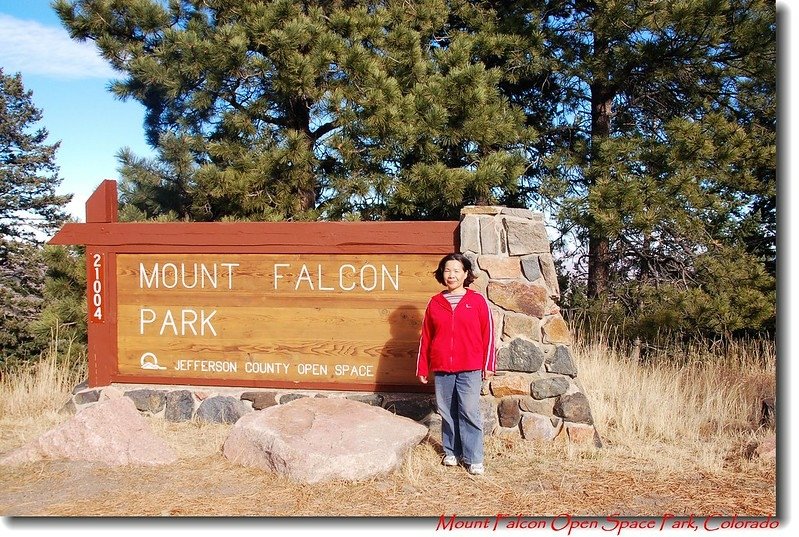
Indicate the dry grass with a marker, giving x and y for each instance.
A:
(36, 388)
(31, 396)
(692, 409)
(673, 438)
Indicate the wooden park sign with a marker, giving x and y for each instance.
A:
(317, 305)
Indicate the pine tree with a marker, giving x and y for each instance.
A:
(62, 317)
(647, 128)
(661, 151)
(29, 208)
(29, 205)
(659, 165)
(273, 110)
(21, 281)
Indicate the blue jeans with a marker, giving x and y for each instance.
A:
(458, 400)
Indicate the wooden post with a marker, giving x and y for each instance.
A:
(101, 207)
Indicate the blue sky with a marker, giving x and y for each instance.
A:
(70, 82)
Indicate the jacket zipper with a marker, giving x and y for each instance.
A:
(452, 331)
(451, 336)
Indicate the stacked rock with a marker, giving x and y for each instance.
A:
(535, 392)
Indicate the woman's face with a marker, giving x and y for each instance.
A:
(454, 275)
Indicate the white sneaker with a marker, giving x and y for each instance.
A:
(449, 460)
(477, 469)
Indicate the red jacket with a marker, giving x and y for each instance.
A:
(459, 340)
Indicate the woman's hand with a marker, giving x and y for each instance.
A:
(487, 374)
(422, 379)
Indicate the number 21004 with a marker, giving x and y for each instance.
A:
(97, 284)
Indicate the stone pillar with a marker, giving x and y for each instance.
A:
(535, 393)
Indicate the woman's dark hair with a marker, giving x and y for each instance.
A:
(467, 267)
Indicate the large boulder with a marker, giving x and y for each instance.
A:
(110, 432)
(311, 440)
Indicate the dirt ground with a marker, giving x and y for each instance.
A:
(522, 478)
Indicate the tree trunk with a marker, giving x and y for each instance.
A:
(598, 264)
(601, 111)
(644, 263)
(300, 120)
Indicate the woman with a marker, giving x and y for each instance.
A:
(457, 345)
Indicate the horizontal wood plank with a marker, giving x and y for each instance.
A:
(279, 237)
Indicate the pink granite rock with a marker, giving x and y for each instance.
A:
(503, 385)
(470, 234)
(517, 324)
(526, 237)
(767, 449)
(556, 330)
(538, 427)
(110, 432)
(550, 274)
(530, 299)
(499, 267)
(581, 434)
(312, 440)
